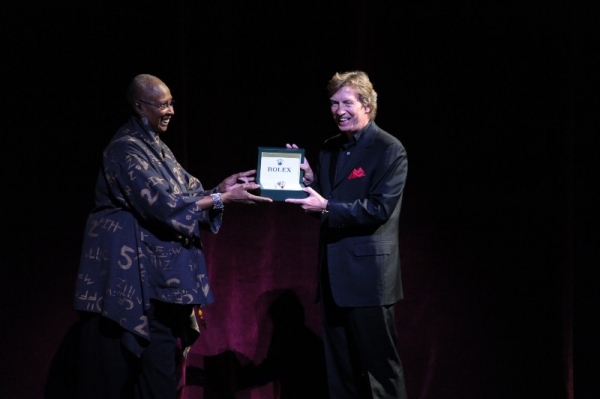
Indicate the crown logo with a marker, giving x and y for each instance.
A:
(279, 161)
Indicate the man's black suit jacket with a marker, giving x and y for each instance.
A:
(359, 236)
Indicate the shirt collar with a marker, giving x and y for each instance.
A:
(354, 139)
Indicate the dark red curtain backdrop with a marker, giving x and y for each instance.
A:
(496, 106)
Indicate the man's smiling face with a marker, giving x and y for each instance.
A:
(347, 110)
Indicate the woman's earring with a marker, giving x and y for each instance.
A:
(144, 120)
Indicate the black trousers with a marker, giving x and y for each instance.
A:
(360, 350)
(107, 370)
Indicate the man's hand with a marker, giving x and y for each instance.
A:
(309, 176)
(313, 203)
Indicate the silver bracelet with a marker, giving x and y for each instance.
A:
(218, 201)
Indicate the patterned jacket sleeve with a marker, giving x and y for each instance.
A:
(159, 192)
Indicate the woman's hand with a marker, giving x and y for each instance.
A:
(241, 179)
(242, 195)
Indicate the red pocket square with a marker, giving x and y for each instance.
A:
(356, 173)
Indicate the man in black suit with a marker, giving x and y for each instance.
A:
(357, 190)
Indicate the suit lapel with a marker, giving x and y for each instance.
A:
(324, 173)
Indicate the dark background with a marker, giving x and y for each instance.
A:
(496, 106)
